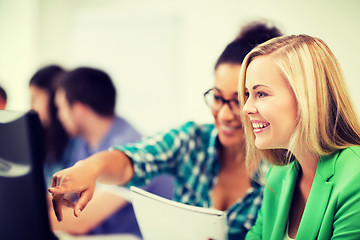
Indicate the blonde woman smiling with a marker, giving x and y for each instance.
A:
(300, 118)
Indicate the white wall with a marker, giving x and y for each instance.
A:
(160, 53)
(18, 48)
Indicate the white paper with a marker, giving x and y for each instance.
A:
(120, 191)
(160, 218)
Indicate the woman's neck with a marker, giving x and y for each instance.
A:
(308, 162)
(230, 156)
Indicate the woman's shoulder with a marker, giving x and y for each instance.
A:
(346, 160)
(346, 174)
(344, 166)
(353, 152)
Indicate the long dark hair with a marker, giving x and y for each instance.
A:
(55, 136)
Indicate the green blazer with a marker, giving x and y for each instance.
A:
(332, 210)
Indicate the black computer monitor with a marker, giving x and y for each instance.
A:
(23, 205)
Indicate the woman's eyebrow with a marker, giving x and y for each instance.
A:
(235, 94)
(259, 85)
(217, 89)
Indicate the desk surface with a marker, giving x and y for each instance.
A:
(64, 236)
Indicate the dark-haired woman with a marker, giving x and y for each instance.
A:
(207, 160)
(57, 145)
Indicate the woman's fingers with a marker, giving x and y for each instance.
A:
(60, 189)
(57, 205)
(73, 188)
(62, 184)
(85, 197)
(68, 203)
(57, 179)
(58, 201)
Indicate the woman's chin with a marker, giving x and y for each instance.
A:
(231, 141)
(261, 145)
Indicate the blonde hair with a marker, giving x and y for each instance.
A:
(326, 118)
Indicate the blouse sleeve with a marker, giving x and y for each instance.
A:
(162, 153)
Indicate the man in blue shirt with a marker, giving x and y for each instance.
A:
(86, 105)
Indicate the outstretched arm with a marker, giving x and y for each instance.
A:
(110, 167)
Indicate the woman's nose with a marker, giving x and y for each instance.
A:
(249, 107)
(225, 112)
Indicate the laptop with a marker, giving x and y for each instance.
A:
(161, 218)
(23, 205)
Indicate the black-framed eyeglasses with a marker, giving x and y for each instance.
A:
(216, 102)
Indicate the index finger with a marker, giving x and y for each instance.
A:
(58, 190)
(57, 205)
(56, 179)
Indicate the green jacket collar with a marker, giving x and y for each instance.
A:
(317, 200)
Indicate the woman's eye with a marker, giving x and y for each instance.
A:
(261, 94)
(217, 98)
(246, 94)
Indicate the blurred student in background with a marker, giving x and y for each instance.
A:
(86, 100)
(42, 91)
(3, 98)
(207, 160)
